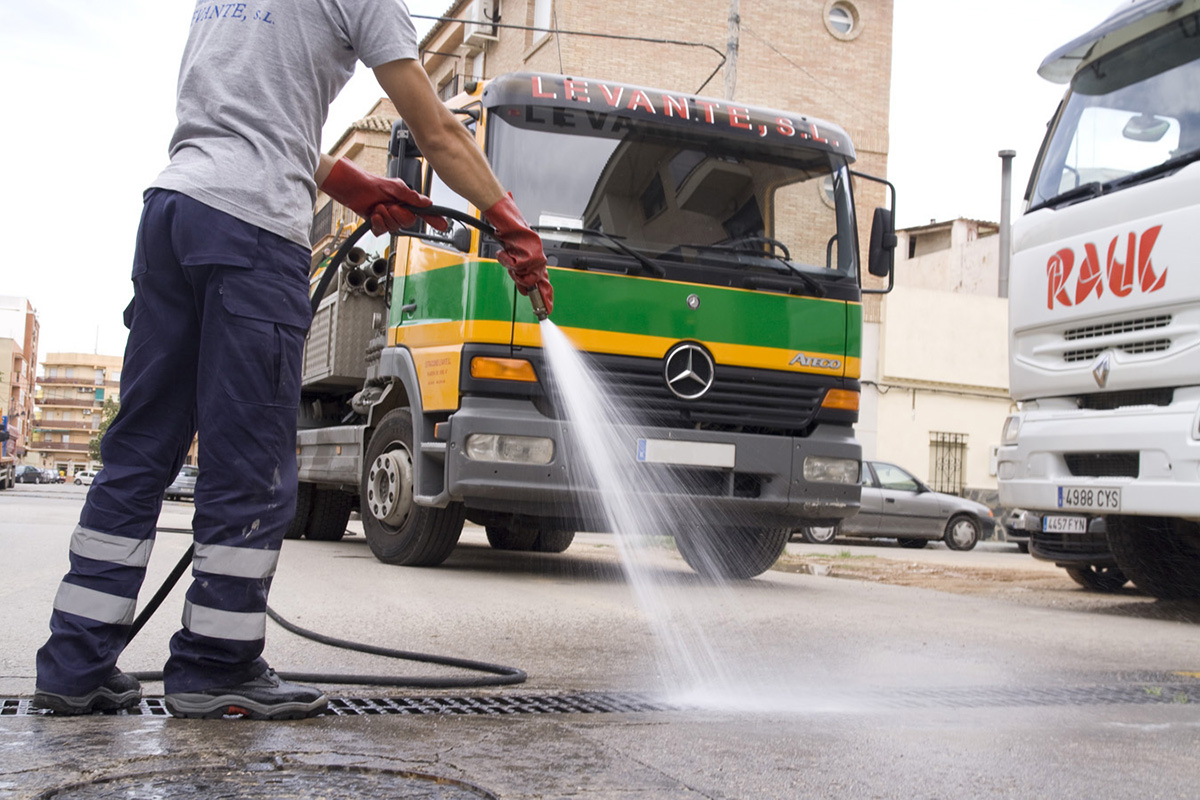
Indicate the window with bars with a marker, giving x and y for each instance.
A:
(947, 462)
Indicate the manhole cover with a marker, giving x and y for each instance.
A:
(271, 782)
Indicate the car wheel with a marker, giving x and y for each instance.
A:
(1023, 547)
(962, 532)
(913, 544)
(78, 482)
(819, 534)
(1098, 579)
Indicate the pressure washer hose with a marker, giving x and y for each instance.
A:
(504, 676)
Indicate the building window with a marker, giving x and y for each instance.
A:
(542, 17)
(842, 19)
(948, 462)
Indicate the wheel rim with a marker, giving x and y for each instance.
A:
(389, 487)
(963, 532)
(823, 535)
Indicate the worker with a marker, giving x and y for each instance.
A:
(216, 330)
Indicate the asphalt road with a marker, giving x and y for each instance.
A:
(790, 685)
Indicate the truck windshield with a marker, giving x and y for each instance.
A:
(705, 209)
(1129, 117)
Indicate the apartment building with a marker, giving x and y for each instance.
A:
(19, 333)
(70, 397)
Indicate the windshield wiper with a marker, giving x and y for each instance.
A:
(1170, 165)
(1083, 192)
(772, 260)
(613, 244)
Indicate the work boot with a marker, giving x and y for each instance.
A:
(265, 697)
(118, 692)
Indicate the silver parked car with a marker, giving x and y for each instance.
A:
(184, 484)
(896, 505)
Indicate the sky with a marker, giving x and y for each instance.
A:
(88, 91)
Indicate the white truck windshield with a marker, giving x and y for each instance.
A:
(1130, 116)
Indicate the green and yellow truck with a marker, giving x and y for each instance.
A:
(705, 259)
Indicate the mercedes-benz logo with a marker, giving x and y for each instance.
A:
(689, 370)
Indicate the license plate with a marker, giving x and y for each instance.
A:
(1086, 498)
(686, 454)
(1064, 524)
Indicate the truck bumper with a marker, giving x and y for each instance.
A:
(766, 485)
(1150, 454)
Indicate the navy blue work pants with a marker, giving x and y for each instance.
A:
(216, 333)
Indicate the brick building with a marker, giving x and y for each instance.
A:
(830, 59)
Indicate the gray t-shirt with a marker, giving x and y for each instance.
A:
(254, 90)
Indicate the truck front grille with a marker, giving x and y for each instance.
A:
(1107, 401)
(741, 399)
(1122, 326)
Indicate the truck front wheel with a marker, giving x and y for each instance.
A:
(1159, 554)
(733, 553)
(398, 530)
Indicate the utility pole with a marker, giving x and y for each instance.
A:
(1006, 158)
(731, 49)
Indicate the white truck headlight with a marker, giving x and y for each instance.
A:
(502, 448)
(823, 469)
(1012, 429)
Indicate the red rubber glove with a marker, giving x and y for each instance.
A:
(521, 250)
(383, 201)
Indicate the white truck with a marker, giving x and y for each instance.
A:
(1105, 300)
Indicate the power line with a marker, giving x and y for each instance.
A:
(617, 36)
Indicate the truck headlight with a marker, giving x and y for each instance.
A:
(1012, 429)
(499, 447)
(823, 469)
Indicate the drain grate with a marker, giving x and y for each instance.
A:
(498, 705)
(619, 703)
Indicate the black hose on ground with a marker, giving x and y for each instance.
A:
(504, 676)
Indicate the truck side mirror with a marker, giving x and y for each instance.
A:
(404, 156)
(881, 255)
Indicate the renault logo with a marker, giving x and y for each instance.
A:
(1101, 370)
(689, 370)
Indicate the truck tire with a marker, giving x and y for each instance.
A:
(553, 540)
(733, 553)
(398, 530)
(304, 501)
(330, 513)
(503, 537)
(1098, 579)
(1159, 554)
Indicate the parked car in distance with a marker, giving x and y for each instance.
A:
(184, 484)
(1078, 544)
(28, 473)
(52, 476)
(84, 478)
(896, 505)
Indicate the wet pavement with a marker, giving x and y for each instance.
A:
(852, 689)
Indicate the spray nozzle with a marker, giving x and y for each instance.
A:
(539, 307)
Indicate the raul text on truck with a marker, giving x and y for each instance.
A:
(1104, 301)
(680, 230)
